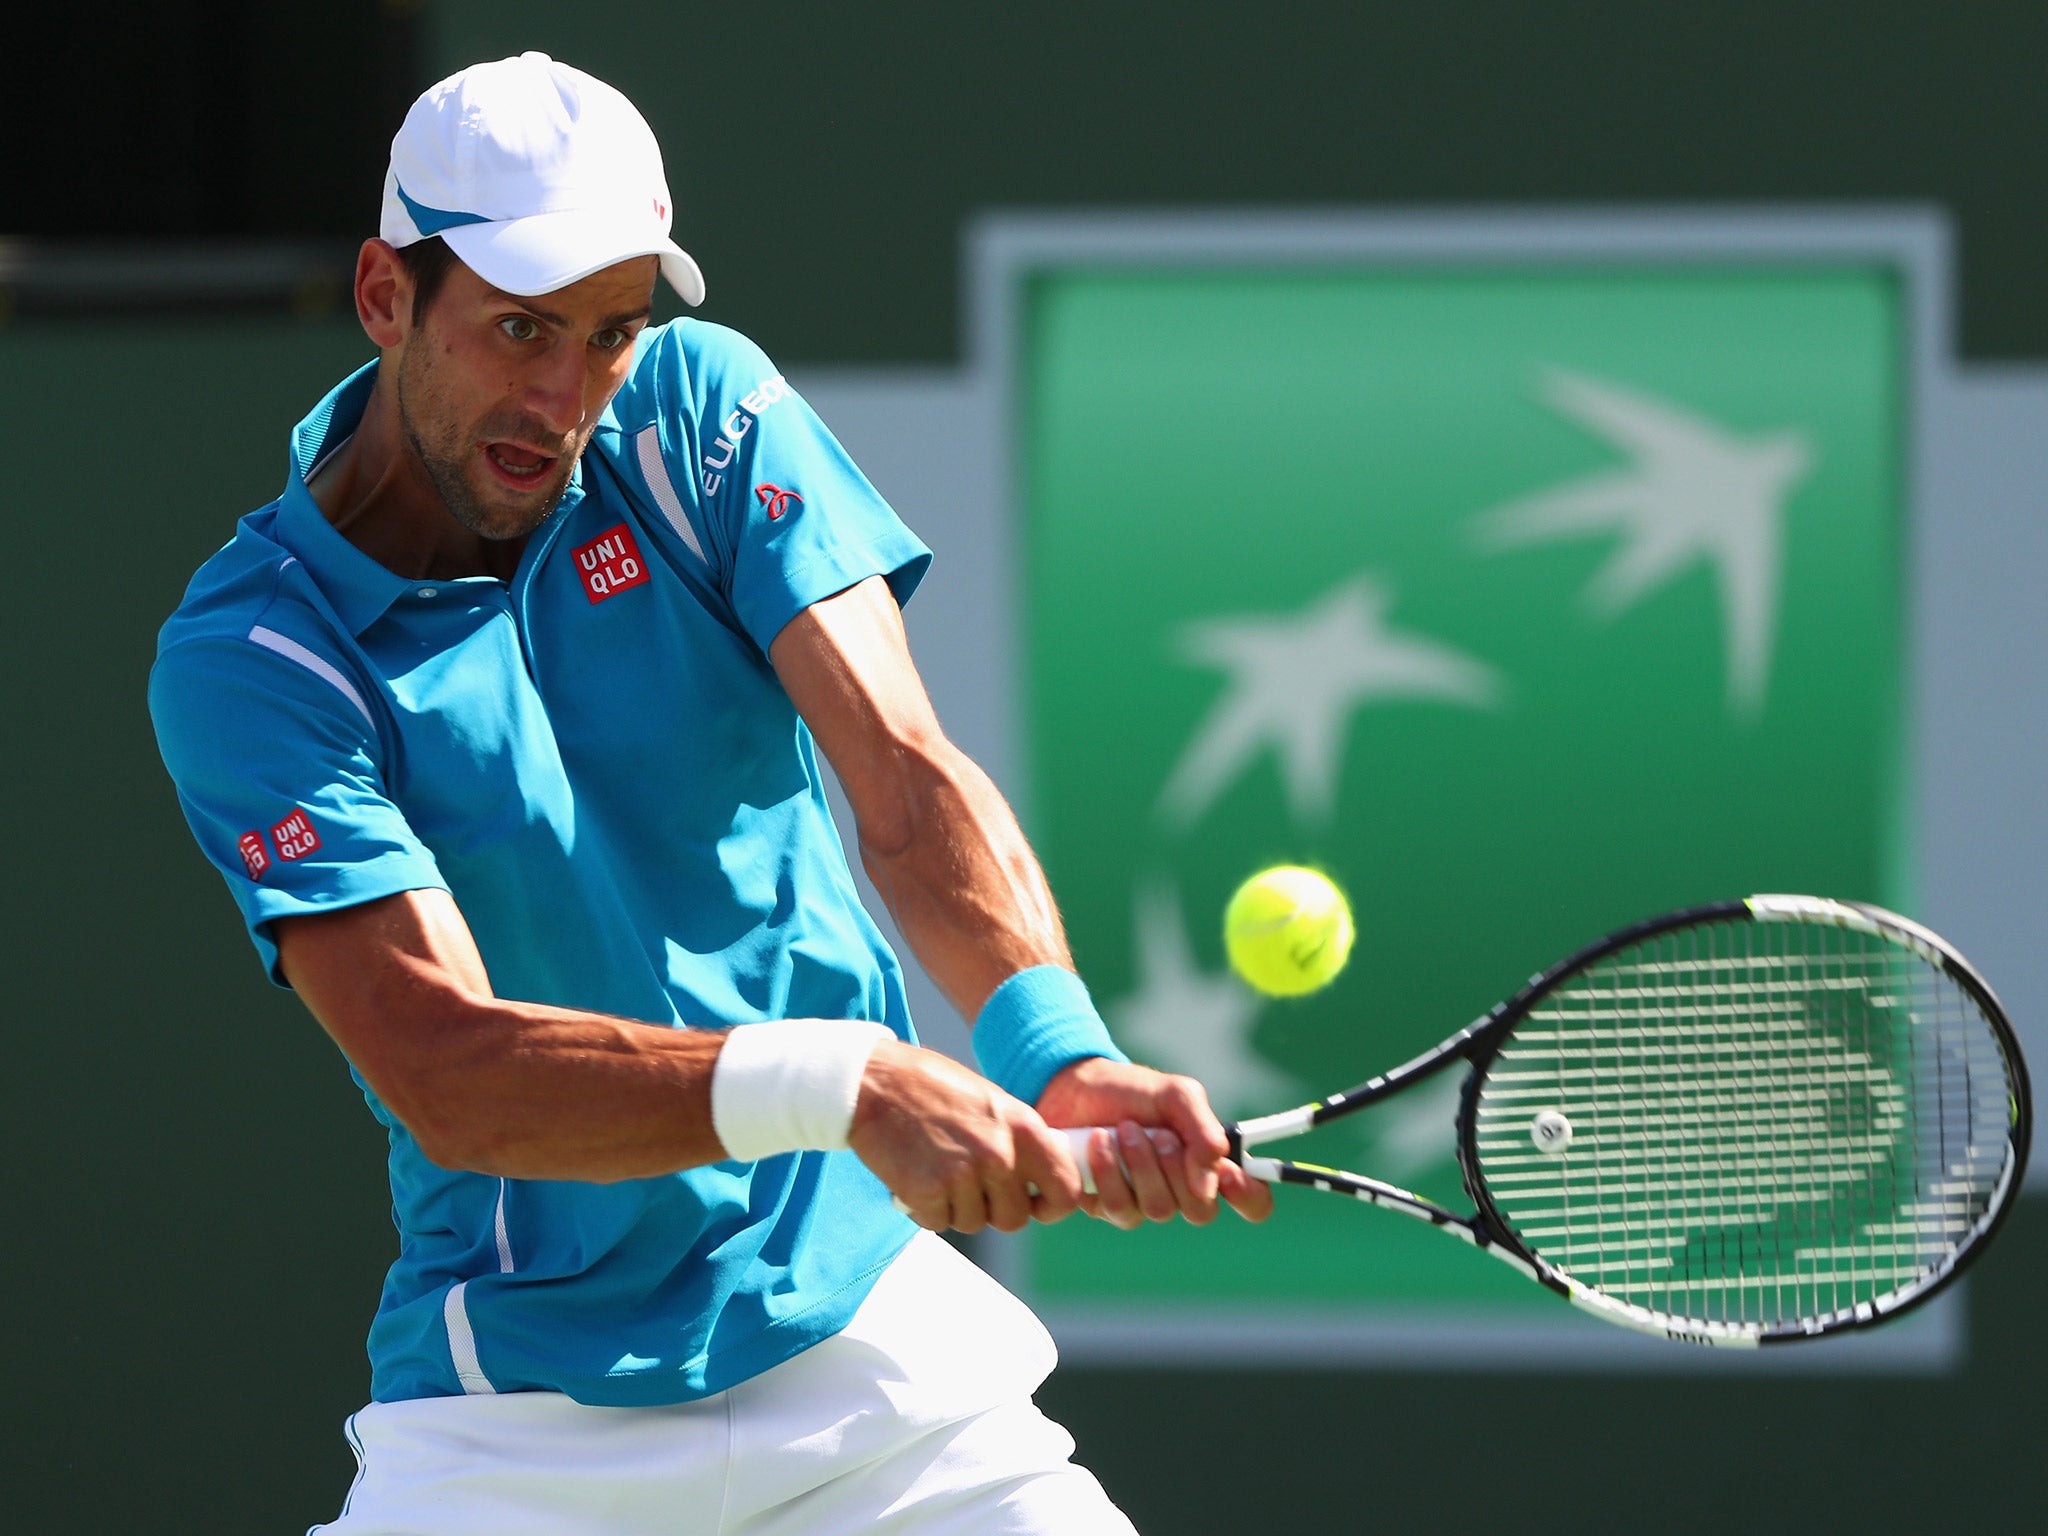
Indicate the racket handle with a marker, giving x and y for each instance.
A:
(1078, 1137)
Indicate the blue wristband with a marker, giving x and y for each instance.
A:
(1034, 1024)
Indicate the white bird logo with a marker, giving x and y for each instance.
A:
(1693, 492)
(1191, 1020)
(1294, 681)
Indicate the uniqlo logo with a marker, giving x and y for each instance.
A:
(294, 836)
(610, 563)
(253, 853)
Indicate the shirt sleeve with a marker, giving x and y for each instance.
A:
(279, 772)
(790, 517)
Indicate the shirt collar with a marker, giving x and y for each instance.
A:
(358, 588)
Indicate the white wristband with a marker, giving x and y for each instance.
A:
(790, 1084)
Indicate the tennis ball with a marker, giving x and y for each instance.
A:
(1287, 931)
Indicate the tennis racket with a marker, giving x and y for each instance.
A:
(1737, 1124)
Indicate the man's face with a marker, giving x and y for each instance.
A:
(498, 395)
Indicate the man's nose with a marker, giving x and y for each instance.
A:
(555, 390)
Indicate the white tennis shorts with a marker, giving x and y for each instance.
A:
(917, 1418)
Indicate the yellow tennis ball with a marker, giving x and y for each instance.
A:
(1287, 930)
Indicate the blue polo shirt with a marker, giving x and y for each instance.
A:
(597, 761)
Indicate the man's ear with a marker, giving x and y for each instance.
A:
(383, 294)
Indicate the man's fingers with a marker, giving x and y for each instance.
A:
(1251, 1198)
(1185, 1107)
(969, 1202)
(958, 1152)
(1007, 1204)
(1200, 1177)
(1180, 1168)
(1114, 1201)
(1052, 1174)
(1154, 1176)
(1141, 1166)
(932, 1212)
(1036, 1178)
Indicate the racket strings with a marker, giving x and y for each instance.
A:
(1768, 1123)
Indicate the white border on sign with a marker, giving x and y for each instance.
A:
(1004, 251)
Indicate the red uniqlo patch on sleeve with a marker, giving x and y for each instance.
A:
(294, 836)
(610, 563)
(253, 854)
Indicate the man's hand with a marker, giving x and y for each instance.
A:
(955, 1148)
(1182, 1166)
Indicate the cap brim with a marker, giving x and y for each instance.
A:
(547, 251)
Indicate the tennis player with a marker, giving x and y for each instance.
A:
(501, 723)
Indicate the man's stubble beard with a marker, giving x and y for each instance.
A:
(446, 471)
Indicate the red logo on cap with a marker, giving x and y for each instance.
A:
(660, 209)
(294, 836)
(253, 855)
(776, 499)
(610, 563)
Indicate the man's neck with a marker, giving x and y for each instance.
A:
(378, 496)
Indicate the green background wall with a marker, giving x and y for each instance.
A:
(195, 1221)
(823, 156)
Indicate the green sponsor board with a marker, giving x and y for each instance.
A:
(1526, 602)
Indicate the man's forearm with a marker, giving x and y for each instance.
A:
(937, 837)
(491, 1084)
(532, 1092)
(961, 881)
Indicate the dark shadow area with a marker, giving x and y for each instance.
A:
(1194, 1452)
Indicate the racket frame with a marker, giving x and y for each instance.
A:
(1480, 1041)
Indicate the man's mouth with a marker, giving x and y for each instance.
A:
(520, 466)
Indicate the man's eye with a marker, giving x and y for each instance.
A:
(520, 327)
(610, 340)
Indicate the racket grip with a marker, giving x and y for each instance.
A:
(1078, 1137)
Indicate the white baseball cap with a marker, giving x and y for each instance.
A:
(536, 175)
